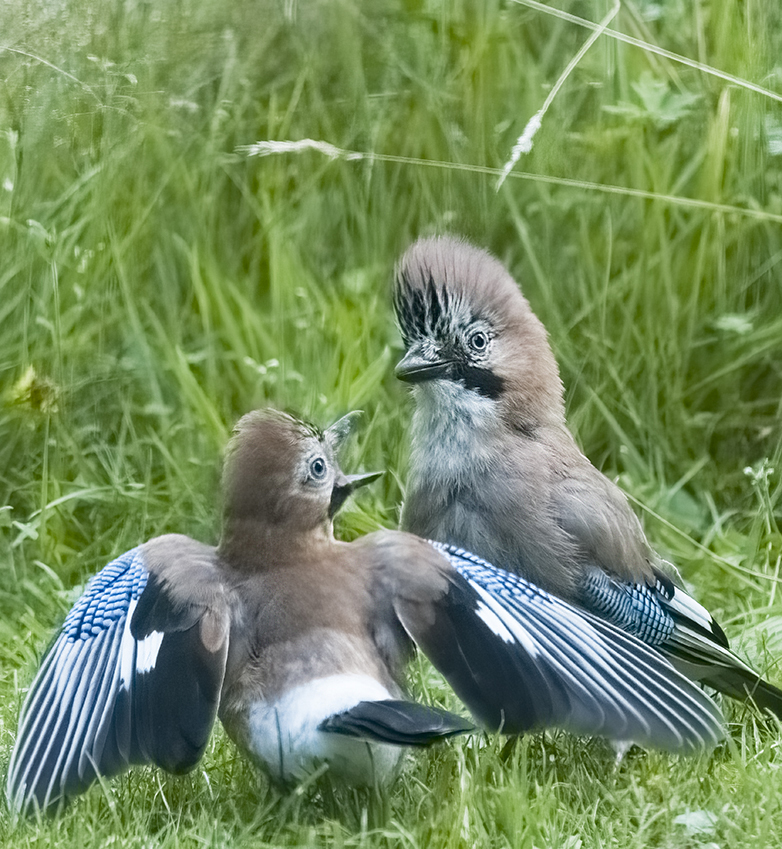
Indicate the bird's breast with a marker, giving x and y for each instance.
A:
(453, 433)
(284, 733)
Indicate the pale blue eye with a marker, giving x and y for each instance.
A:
(318, 468)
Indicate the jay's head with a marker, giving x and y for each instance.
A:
(464, 321)
(282, 472)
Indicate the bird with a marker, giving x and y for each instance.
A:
(298, 642)
(493, 467)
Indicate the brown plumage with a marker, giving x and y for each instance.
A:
(494, 468)
(300, 641)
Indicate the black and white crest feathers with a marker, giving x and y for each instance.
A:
(421, 310)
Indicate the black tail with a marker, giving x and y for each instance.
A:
(743, 685)
(705, 660)
(398, 722)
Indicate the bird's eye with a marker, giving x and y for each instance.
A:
(318, 468)
(478, 341)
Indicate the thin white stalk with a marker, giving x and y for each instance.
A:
(652, 48)
(524, 143)
(272, 147)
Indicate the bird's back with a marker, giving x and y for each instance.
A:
(301, 651)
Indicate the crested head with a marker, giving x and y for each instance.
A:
(464, 319)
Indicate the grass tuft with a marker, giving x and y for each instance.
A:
(156, 283)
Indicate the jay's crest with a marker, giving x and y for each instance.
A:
(507, 480)
(462, 316)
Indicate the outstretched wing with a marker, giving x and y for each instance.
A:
(522, 659)
(133, 677)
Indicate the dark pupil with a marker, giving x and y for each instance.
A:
(318, 468)
(478, 341)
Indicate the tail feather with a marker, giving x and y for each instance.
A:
(395, 721)
(702, 659)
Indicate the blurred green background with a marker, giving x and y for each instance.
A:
(156, 282)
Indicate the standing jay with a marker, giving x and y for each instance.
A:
(495, 470)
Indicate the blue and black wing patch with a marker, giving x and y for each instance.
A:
(522, 660)
(666, 616)
(637, 608)
(110, 693)
(68, 730)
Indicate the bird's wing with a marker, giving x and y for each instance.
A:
(699, 648)
(594, 512)
(134, 675)
(666, 616)
(522, 659)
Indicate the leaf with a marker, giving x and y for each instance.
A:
(698, 822)
(658, 103)
(662, 105)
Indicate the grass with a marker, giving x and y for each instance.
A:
(155, 284)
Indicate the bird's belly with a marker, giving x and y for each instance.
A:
(284, 733)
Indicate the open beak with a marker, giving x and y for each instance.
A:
(417, 366)
(345, 485)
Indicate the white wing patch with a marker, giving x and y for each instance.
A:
(494, 623)
(684, 604)
(127, 650)
(137, 657)
(147, 652)
(504, 625)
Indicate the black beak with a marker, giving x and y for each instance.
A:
(417, 367)
(345, 485)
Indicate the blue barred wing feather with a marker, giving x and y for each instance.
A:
(100, 701)
(556, 665)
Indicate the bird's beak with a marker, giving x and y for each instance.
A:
(417, 366)
(341, 430)
(344, 485)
